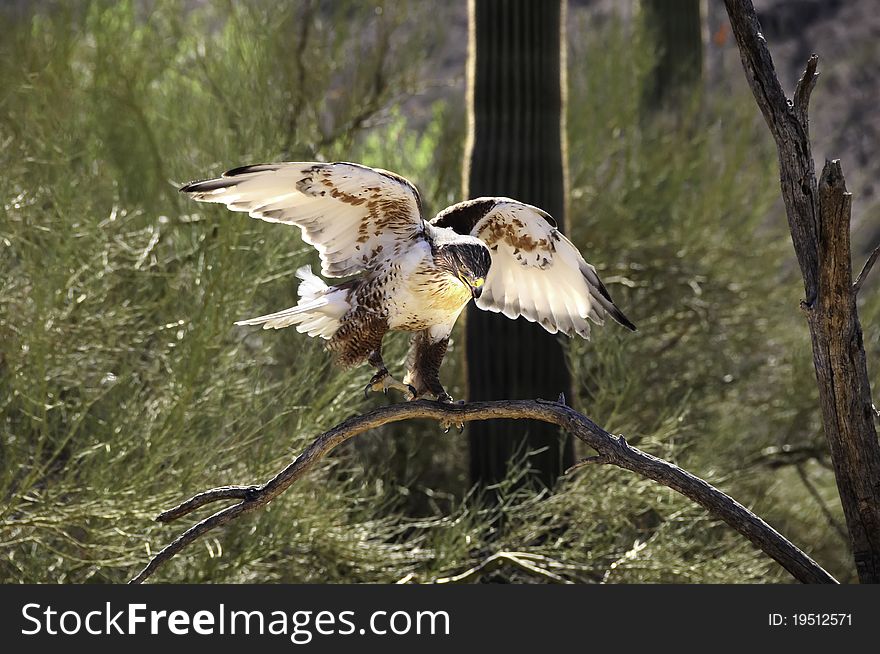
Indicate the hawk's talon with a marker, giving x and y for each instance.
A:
(381, 374)
(382, 381)
(446, 398)
(448, 424)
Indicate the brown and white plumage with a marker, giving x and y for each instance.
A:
(536, 271)
(412, 275)
(356, 217)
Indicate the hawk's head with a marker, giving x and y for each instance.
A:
(467, 260)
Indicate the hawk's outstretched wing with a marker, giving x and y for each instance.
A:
(536, 272)
(354, 215)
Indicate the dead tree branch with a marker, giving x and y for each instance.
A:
(612, 449)
(865, 270)
(819, 221)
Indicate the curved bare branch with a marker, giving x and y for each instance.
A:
(612, 450)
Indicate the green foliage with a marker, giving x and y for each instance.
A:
(124, 386)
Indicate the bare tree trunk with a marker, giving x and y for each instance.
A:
(516, 105)
(819, 220)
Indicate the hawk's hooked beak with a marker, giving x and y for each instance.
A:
(477, 287)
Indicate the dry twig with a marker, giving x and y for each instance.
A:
(857, 286)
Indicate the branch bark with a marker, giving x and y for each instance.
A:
(612, 450)
(819, 221)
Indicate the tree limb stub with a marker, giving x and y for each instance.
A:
(612, 449)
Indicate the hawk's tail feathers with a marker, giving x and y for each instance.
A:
(318, 313)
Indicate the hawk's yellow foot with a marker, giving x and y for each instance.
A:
(382, 381)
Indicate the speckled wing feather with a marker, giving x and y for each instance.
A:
(536, 272)
(355, 216)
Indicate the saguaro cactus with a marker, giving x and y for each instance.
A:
(516, 149)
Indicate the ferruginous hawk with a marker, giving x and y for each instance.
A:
(410, 274)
